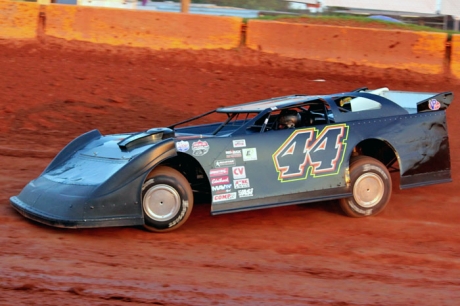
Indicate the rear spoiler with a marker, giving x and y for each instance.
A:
(438, 102)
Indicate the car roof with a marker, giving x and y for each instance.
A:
(273, 103)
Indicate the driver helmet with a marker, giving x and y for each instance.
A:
(288, 119)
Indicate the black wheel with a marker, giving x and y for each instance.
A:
(371, 186)
(167, 200)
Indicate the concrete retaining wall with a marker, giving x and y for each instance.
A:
(423, 52)
(455, 56)
(155, 30)
(18, 20)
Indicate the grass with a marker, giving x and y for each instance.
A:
(353, 20)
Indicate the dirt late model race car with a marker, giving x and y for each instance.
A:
(279, 151)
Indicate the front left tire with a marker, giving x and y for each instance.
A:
(167, 200)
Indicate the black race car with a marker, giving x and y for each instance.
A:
(280, 151)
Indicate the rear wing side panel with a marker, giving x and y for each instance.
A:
(423, 149)
(416, 102)
(438, 102)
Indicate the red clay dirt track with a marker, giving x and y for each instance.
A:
(296, 255)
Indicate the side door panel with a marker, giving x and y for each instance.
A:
(283, 167)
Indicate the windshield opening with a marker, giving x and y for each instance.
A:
(214, 123)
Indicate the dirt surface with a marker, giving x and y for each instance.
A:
(296, 255)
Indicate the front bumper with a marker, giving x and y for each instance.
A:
(73, 206)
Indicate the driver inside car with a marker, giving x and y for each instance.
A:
(288, 119)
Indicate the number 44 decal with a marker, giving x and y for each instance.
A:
(311, 152)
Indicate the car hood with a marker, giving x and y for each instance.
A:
(99, 158)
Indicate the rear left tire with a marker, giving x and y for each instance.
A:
(371, 186)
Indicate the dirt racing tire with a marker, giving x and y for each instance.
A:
(371, 186)
(167, 200)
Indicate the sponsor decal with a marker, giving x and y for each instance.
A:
(220, 180)
(200, 148)
(224, 197)
(226, 188)
(250, 154)
(239, 143)
(434, 104)
(181, 216)
(242, 183)
(182, 146)
(233, 153)
(224, 163)
(359, 210)
(311, 153)
(243, 193)
(239, 172)
(218, 172)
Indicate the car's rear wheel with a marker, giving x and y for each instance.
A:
(167, 200)
(371, 186)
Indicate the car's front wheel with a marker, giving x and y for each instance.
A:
(167, 200)
(371, 186)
